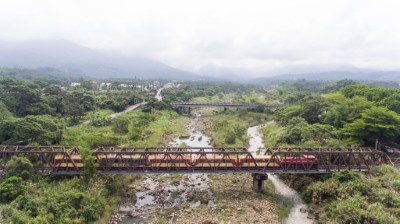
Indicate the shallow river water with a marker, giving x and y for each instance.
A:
(295, 215)
(159, 192)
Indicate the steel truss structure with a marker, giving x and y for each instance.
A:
(41, 156)
(124, 160)
(225, 105)
(330, 159)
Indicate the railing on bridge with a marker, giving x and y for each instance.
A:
(226, 105)
(120, 160)
(43, 157)
(171, 160)
(327, 160)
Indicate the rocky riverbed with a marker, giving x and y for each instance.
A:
(159, 198)
(235, 202)
(196, 198)
(298, 213)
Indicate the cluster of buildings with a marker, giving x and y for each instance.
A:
(107, 85)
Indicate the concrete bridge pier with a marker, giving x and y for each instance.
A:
(190, 111)
(259, 181)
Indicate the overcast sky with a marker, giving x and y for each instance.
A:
(261, 36)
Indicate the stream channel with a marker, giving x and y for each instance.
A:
(295, 216)
(160, 192)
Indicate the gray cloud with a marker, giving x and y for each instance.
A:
(255, 36)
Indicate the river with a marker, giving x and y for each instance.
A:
(295, 216)
(158, 194)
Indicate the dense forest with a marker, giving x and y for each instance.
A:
(354, 115)
(42, 113)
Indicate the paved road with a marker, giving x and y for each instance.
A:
(114, 115)
(130, 108)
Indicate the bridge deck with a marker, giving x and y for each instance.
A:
(124, 160)
(226, 105)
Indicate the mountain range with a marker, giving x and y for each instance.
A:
(339, 75)
(74, 59)
(67, 58)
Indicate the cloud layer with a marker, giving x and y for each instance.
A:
(261, 37)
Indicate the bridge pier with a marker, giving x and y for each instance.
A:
(259, 181)
(190, 111)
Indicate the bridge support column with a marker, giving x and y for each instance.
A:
(190, 111)
(259, 181)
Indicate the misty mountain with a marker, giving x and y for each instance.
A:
(339, 75)
(78, 60)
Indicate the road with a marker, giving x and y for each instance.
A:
(158, 96)
(128, 109)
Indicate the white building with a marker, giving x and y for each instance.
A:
(75, 84)
(105, 85)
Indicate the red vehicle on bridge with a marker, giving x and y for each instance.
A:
(298, 160)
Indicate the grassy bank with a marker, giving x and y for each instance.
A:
(229, 128)
(343, 197)
(348, 197)
(132, 129)
(88, 198)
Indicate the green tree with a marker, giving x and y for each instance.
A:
(19, 167)
(23, 98)
(120, 125)
(11, 188)
(392, 102)
(89, 168)
(230, 137)
(344, 110)
(375, 123)
(99, 120)
(4, 113)
(43, 129)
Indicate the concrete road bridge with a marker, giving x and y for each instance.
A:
(226, 105)
(190, 105)
(66, 160)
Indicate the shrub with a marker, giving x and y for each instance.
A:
(346, 175)
(320, 192)
(19, 167)
(230, 138)
(11, 188)
(396, 185)
(99, 139)
(120, 125)
(89, 168)
(355, 210)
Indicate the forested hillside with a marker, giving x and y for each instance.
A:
(351, 115)
(355, 115)
(41, 113)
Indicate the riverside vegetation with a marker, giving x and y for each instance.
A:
(37, 113)
(336, 115)
(333, 114)
(92, 198)
(353, 115)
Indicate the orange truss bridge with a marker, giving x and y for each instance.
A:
(125, 160)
